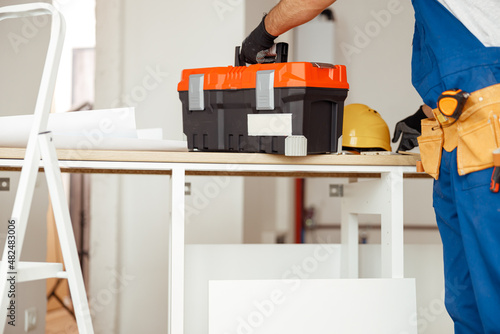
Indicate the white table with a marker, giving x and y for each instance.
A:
(382, 194)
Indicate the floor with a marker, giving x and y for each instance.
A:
(60, 321)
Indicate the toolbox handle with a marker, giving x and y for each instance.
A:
(237, 60)
(281, 54)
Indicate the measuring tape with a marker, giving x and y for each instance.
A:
(451, 103)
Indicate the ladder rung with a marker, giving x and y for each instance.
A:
(62, 274)
(31, 271)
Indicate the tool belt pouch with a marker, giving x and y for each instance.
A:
(476, 141)
(431, 144)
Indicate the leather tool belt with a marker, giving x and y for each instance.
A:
(476, 134)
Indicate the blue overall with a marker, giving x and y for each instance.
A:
(446, 55)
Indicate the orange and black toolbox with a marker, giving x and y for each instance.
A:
(284, 108)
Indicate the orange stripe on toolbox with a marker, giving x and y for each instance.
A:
(299, 74)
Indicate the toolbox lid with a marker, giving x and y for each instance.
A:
(295, 74)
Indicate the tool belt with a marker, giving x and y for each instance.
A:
(476, 134)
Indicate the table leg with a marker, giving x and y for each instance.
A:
(384, 197)
(349, 239)
(392, 238)
(176, 254)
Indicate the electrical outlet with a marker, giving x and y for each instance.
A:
(4, 184)
(336, 190)
(30, 319)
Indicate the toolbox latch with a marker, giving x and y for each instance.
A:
(264, 91)
(195, 93)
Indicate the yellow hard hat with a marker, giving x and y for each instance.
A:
(364, 128)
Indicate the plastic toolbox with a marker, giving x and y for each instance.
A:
(291, 108)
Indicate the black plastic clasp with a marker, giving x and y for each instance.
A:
(281, 52)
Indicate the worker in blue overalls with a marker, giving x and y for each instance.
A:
(455, 46)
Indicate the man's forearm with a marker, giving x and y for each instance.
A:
(291, 13)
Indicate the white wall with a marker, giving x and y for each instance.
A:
(30, 294)
(377, 55)
(23, 44)
(268, 209)
(80, 33)
(138, 41)
(214, 210)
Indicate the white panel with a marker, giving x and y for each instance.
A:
(312, 306)
(269, 124)
(217, 262)
(209, 262)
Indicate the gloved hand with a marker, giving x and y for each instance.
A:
(256, 47)
(410, 129)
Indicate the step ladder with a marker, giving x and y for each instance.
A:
(40, 145)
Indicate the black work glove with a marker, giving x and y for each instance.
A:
(255, 48)
(411, 129)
